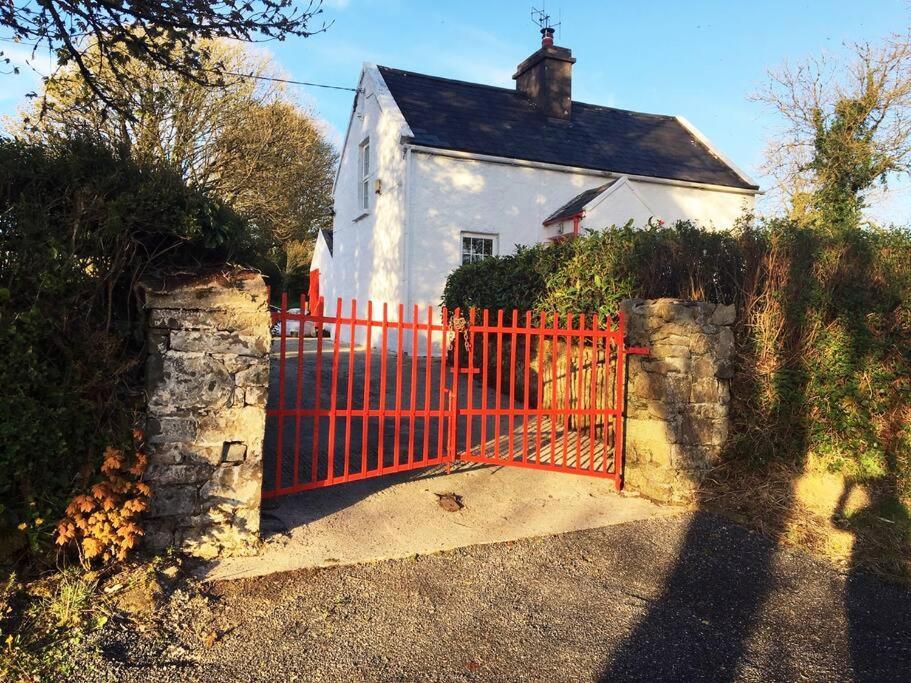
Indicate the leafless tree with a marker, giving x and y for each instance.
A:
(846, 125)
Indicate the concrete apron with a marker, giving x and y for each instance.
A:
(401, 516)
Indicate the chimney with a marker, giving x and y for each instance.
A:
(546, 77)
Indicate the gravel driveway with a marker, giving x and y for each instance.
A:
(690, 597)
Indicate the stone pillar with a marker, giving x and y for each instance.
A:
(678, 397)
(207, 382)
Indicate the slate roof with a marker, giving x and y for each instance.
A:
(328, 236)
(483, 119)
(575, 205)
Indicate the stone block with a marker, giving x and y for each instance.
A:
(725, 370)
(192, 381)
(234, 451)
(219, 341)
(650, 432)
(715, 411)
(253, 376)
(706, 390)
(238, 423)
(201, 453)
(671, 365)
(724, 347)
(164, 475)
(675, 310)
(167, 429)
(217, 514)
(705, 366)
(164, 454)
(173, 501)
(697, 430)
(233, 484)
(210, 541)
(241, 290)
(239, 396)
(159, 537)
(703, 343)
(665, 351)
(159, 341)
(189, 319)
(256, 396)
(246, 519)
(725, 314)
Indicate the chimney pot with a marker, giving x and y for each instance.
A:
(547, 37)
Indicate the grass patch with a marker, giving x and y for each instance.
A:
(856, 526)
(43, 622)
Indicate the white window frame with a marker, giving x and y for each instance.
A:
(363, 173)
(493, 237)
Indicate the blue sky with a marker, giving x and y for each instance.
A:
(700, 58)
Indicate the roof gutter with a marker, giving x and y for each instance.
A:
(440, 151)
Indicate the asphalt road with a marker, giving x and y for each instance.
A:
(686, 598)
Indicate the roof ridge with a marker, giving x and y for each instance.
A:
(447, 80)
(513, 92)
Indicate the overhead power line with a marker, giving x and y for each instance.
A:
(286, 80)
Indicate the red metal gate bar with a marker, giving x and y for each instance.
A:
(318, 327)
(525, 388)
(414, 387)
(580, 364)
(281, 392)
(485, 318)
(567, 370)
(512, 386)
(334, 400)
(298, 397)
(469, 381)
(593, 388)
(365, 422)
(499, 381)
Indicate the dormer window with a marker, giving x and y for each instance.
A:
(364, 175)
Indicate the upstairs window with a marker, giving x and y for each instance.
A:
(363, 192)
(477, 247)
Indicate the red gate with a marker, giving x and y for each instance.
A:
(379, 396)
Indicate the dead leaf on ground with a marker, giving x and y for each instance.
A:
(451, 502)
(209, 638)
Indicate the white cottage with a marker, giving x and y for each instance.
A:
(435, 173)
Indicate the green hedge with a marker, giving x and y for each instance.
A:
(79, 225)
(594, 273)
(824, 326)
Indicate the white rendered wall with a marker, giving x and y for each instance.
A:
(322, 261)
(368, 245)
(450, 195)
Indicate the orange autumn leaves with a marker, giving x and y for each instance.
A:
(103, 522)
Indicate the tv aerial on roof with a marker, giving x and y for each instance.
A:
(542, 19)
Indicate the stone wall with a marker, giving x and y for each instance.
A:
(678, 397)
(207, 384)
